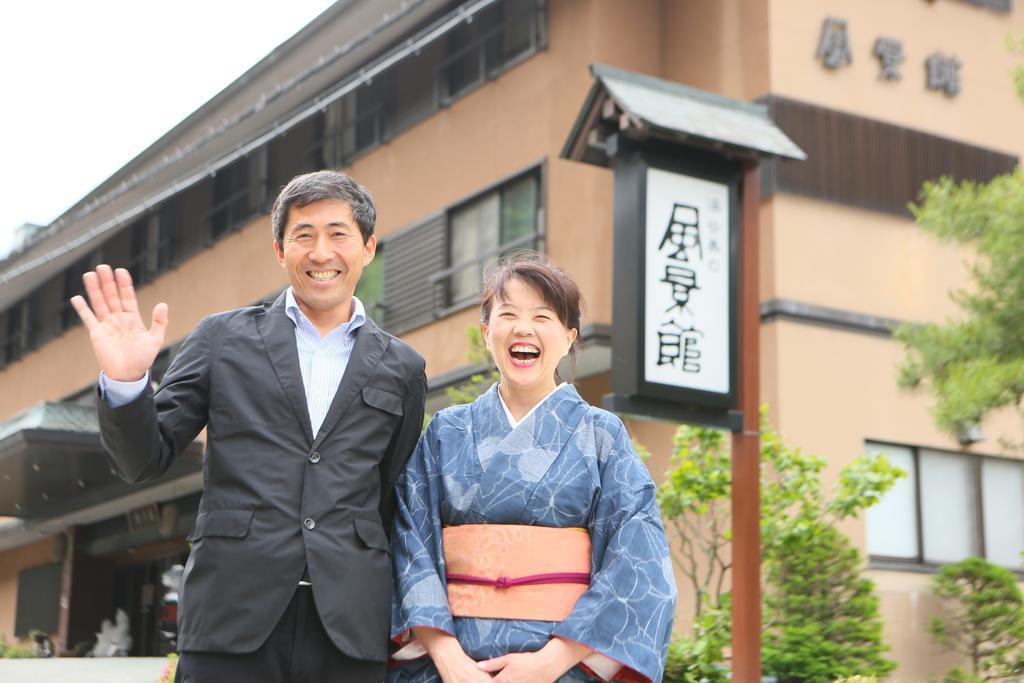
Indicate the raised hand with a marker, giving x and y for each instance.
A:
(123, 346)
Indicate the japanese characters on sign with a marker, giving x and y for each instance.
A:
(942, 71)
(143, 517)
(686, 283)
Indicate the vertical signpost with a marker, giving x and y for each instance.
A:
(685, 298)
(676, 284)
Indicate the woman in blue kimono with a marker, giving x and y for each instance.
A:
(530, 452)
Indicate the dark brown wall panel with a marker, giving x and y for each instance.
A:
(867, 163)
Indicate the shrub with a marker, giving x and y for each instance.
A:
(14, 651)
(822, 614)
(986, 624)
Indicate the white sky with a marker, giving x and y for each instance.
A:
(86, 86)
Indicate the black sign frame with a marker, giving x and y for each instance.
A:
(631, 392)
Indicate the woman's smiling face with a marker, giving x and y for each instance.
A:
(526, 338)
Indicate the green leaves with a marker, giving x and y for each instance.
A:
(469, 390)
(822, 615)
(862, 484)
(1017, 47)
(975, 364)
(985, 620)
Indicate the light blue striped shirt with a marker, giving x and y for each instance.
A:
(322, 362)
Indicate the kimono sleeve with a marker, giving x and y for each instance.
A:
(420, 597)
(627, 613)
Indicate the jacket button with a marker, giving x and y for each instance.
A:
(309, 523)
(314, 457)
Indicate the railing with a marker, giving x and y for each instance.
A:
(349, 141)
(444, 303)
(14, 346)
(227, 215)
(386, 122)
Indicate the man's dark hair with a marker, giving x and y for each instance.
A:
(312, 187)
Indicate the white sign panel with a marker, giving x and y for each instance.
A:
(686, 283)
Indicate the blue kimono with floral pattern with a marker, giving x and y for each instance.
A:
(567, 464)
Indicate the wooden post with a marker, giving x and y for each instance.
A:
(746, 455)
(66, 554)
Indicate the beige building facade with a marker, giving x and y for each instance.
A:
(454, 115)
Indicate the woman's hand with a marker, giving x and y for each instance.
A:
(543, 666)
(454, 665)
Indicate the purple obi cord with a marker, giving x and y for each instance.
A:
(532, 580)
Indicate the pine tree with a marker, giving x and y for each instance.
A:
(986, 620)
(822, 614)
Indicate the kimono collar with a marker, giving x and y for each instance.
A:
(508, 413)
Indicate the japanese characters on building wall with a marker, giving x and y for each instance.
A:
(686, 284)
(942, 71)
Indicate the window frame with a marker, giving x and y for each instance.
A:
(918, 563)
(537, 240)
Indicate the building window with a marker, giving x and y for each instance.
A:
(949, 507)
(15, 332)
(73, 286)
(38, 599)
(485, 228)
(231, 206)
(497, 38)
(1002, 482)
(892, 523)
(142, 263)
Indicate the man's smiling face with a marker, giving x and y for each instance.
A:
(324, 254)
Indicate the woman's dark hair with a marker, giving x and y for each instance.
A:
(558, 290)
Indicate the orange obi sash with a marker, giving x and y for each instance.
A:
(515, 571)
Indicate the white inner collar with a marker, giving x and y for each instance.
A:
(508, 413)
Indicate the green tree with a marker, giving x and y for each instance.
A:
(986, 623)
(699, 657)
(479, 382)
(822, 614)
(478, 355)
(1017, 47)
(974, 365)
(695, 502)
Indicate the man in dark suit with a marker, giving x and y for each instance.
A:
(311, 411)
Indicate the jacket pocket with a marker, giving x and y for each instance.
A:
(383, 400)
(371, 533)
(222, 523)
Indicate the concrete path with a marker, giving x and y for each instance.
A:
(82, 670)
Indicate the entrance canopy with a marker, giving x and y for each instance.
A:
(643, 107)
(52, 464)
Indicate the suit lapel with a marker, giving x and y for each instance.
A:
(278, 332)
(369, 347)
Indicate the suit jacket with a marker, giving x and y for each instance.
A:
(276, 499)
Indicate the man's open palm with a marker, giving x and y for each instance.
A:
(123, 346)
